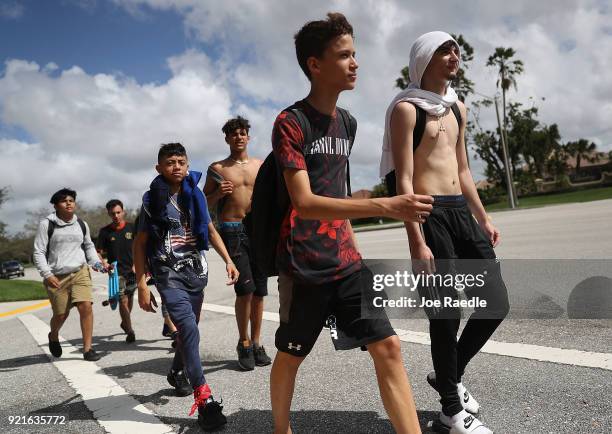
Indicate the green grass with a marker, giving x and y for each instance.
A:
(18, 290)
(554, 199)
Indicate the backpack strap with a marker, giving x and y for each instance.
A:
(350, 126)
(83, 228)
(419, 126)
(417, 135)
(457, 113)
(421, 118)
(51, 229)
(304, 124)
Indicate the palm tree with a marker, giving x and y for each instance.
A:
(507, 69)
(582, 149)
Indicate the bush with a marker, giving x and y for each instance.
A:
(490, 195)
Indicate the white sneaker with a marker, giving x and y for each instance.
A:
(467, 400)
(463, 423)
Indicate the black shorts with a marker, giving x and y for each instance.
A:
(238, 246)
(306, 308)
(460, 246)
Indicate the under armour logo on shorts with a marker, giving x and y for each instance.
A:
(297, 347)
(331, 323)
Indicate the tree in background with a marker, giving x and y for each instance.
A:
(380, 190)
(3, 198)
(582, 149)
(19, 246)
(508, 69)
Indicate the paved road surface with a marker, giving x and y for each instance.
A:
(335, 392)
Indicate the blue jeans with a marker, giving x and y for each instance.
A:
(184, 308)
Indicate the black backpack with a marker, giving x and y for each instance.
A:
(270, 200)
(417, 135)
(51, 229)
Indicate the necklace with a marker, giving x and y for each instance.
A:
(441, 126)
(175, 204)
(238, 161)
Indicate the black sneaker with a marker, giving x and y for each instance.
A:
(54, 347)
(261, 358)
(246, 359)
(166, 331)
(211, 416)
(91, 355)
(131, 337)
(174, 336)
(179, 381)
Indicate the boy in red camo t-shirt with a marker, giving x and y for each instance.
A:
(321, 276)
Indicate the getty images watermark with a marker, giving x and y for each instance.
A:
(489, 288)
(429, 282)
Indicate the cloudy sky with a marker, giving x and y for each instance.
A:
(90, 88)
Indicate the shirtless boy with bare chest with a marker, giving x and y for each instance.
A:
(457, 229)
(229, 186)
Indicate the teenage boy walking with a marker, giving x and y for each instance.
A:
(229, 184)
(62, 251)
(320, 270)
(458, 227)
(173, 231)
(115, 244)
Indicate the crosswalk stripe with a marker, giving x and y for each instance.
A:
(114, 409)
(539, 353)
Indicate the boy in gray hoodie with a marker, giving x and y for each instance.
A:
(62, 251)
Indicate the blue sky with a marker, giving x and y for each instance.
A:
(90, 88)
(97, 36)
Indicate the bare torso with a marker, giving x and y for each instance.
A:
(242, 176)
(435, 159)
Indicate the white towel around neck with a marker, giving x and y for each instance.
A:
(421, 53)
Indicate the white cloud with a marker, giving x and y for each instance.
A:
(111, 125)
(100, 133)
(11, 10)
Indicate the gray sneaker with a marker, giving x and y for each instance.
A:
(246, 358)
(261, 358)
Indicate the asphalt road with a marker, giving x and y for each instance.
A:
(336, 391)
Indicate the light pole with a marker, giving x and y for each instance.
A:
(512, 200)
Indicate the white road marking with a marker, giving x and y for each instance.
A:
(540, 353)
(114, 409)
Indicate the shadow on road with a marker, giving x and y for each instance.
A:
(105, 344)
(247, 421)
(211, 366)
(161, 365)
(14, 364)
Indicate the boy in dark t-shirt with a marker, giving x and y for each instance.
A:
(173, 231)
(115, 243)
(321, 276)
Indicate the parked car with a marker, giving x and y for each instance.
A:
(9, 269)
